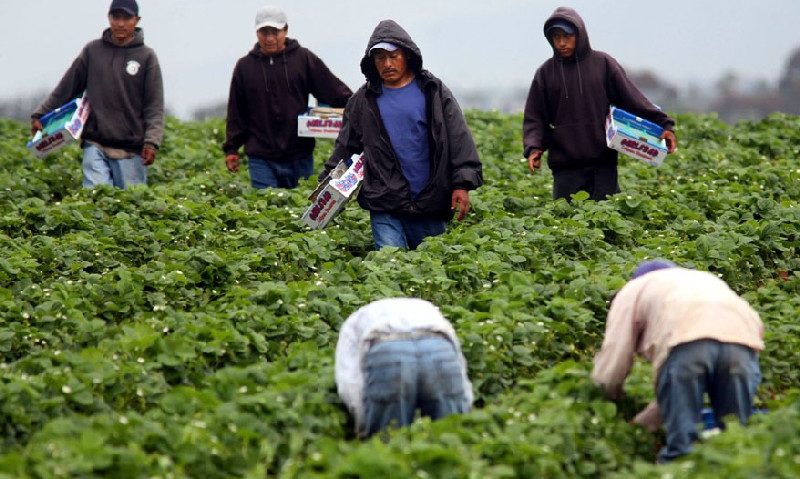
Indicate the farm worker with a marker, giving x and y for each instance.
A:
(395, 356)
(122, 80)
(420, 158)
(566, 109)
(701, 338)
(269, 89)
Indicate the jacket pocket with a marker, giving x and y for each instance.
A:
(578, 142)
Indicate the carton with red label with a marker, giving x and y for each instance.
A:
(320, 123)
(333, 193)
(60, 127)
(635, 137)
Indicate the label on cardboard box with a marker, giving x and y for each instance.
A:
(60, 127)
(635, 137)
(314, 126)
(332, 194)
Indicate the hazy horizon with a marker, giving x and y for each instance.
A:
(469, 44)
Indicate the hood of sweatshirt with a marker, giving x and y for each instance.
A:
(389, 31)
(582, 45)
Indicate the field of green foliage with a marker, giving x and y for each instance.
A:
(187, 329)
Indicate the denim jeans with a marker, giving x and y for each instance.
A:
(98, 169)
(402, 376)
(728, 372)
(403, 232)
(279, 174)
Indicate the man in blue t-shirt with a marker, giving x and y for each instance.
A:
(420, 158)
(402, 107)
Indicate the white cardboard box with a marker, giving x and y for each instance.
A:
(61, 127)
(320, 123)
(635, 137)
(333, 193)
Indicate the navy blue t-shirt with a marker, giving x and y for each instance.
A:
(405, 118)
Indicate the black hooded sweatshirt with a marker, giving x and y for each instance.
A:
(267, 94)
(569, 101)
(454, 159)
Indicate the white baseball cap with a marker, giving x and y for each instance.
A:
(270, 16)
(389, 47)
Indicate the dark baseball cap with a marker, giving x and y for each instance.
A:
(128, 6)
(568, 28)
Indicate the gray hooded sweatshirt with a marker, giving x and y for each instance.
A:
(125, 91)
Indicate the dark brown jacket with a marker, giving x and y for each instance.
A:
(569, 100)
(267, 94)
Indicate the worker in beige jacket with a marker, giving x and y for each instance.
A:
(700, 336)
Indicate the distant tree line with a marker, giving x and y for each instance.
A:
(729, 98)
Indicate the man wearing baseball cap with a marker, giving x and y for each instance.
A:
(421, 161)
(269, 89)
(701, 337)
(121, 78)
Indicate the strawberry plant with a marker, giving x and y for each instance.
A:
(187, 329)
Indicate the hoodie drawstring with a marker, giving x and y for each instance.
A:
(563, 79)
(286, 72)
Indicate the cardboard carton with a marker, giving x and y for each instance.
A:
(635, 137)
(333, 193)
(61, 127)
(320, 123)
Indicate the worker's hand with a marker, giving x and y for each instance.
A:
(148, 155)
(672, 140)
(460, 200)
(232, 162)
(535, 160)
(36, 125)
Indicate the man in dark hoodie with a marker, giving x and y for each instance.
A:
(567, 106)
(269, 89)
(122, 81)
(420, 158)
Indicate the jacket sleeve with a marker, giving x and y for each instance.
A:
(325, 86)
(535, 121)
(236, 128)
(153, 104)
(72, 85)
(349, 141)
(613, 363)
(624, 94)
(466, 169)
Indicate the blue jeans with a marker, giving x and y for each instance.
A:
(403, 232)
(98, 169)
(402, 376)
(279, 174)
(728, 372)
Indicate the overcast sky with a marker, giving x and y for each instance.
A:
(468, 43)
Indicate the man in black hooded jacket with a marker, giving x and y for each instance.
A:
(269, 89)
(567, 106)
(420, 158)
